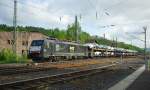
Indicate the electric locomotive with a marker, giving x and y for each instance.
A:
(53, 49)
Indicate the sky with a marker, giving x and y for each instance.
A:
(121, 19)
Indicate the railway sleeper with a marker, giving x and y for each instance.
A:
(54, 79)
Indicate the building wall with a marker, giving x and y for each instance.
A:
(24, 40)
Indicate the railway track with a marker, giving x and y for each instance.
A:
(27, 69)
(10, 71)
(32, 68)
(52, 79)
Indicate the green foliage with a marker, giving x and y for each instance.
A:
(7, 56)
(84, 37)
(4, 27)
(70, 34)
(103, 41)
(128, 46)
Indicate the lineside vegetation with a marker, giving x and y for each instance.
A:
(70, 35)
(7, 56)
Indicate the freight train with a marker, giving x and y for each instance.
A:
(52, 50)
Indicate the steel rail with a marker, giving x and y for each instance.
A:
(21, 70)
(55, 78)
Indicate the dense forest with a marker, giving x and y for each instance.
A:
(70, 35)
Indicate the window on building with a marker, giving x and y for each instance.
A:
(25, 43)
(10, 42)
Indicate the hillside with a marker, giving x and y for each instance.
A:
(70, 35)
(148, 49)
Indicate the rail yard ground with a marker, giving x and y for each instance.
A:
(71, 63)
(100, 79)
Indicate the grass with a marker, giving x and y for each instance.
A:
(7, 56)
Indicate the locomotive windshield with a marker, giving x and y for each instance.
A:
(37, 42)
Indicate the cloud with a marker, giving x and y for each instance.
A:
(127, 16)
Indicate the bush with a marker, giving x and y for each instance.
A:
(7, 56)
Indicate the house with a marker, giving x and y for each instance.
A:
(23, 42)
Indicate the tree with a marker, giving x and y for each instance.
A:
(70, 34)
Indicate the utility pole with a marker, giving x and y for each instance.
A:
(112, 44)
(146, 61)
(131, 42)
(104, 35)
(76, 28)
(15, 27)
(116, 42)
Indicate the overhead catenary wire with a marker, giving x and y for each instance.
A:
(39, 9)
(11, 9)
(125, 24)
(114, 5)
(134, 37)
(81, 15)
(107, 9)
(8, 36)
(6, 5)
(60, 17)
(43, 10)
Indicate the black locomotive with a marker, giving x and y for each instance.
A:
(53, 49)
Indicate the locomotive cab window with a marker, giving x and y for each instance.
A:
(37, 42)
